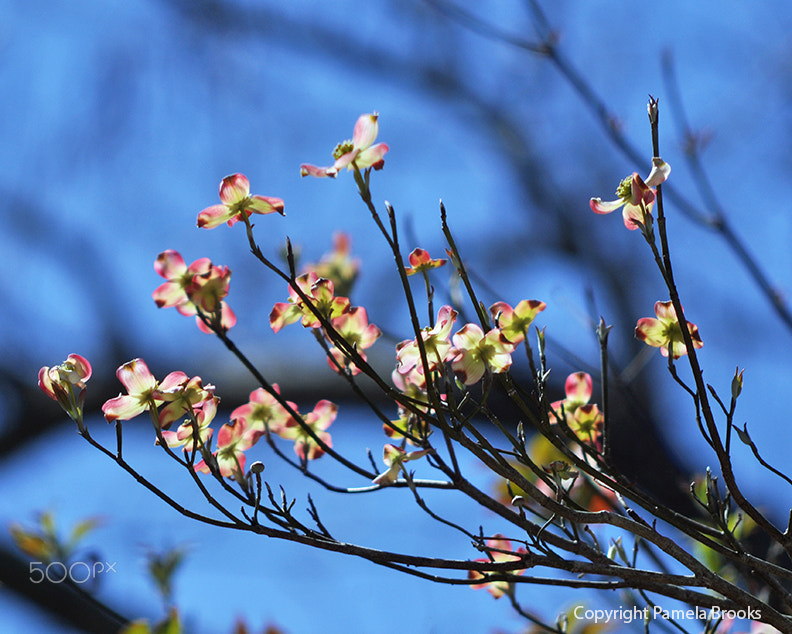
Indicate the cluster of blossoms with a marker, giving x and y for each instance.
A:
(179, 397)
(202, 286)
(582, 417)
(312, 300)
(319, 300)
(471, 352)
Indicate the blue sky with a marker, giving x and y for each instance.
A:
(121, 118)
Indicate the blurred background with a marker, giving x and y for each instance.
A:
(119, 120)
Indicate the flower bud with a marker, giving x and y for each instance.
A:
(737, 382)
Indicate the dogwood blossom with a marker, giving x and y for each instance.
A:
(435, 342)
(263, 411)
(337, 265)
(184, 436)
(582, 417)
(665, 332)
(318, 421)
(144, 392)
(420, 261)
(635, 195)
(395, 457)
(475, 353)
(233, 439)
(514, 322)
(59, 383)
(358, 152)
(354, 327)
(236, 200)
(200, 285)
(321, 291)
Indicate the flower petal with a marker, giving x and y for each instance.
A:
(660, 172)
(234, 188)
(598, 206)
(214, 216)
(265, 205)
(366, 130)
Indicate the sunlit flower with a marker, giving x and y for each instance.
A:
(144, 392)
(578, 388)
(200, 285)
(435, 341)
(184, 436)
(582, 417)
(322, 294)
(263, 411)
(635, 195)
(355, 329)
(183, 398)
(394, 458)
(337, 265)
(236, 200)
(359, 152)
(514, 322)
(59, 383)
(318, 421)
(232, 441)
(500, 550)
(475, 353)
(666, 332)
(420, 261)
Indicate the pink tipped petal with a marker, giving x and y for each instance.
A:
(318, 172)
(123, 407)
(168, 295)
(136, 377)
(234, 188)
(366, 130)
(371, 157)
(598, 206)
(665, 311)
(213, 216)
(265, 205)
(633, 217)
(578, 387)
(79, 368)
(170, 264)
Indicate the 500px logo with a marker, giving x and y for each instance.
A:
(77, 572)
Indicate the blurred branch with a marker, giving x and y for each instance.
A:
(714, 219)
(65, 601)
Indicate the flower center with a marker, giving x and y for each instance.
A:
(343, 148)
(624, 190)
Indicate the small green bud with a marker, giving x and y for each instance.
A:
(737, 383)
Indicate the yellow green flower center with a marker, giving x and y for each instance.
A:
(343, 148)
(624, 191)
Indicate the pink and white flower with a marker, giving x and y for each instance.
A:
(144, 392)
(475, 353)
(665, 332)
(635, 195)
(395, 457)
(514, 322)
(59, 383)
(358, 153)
(236, 201)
